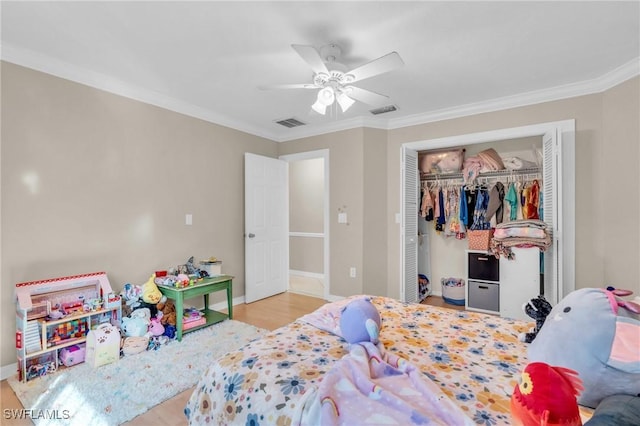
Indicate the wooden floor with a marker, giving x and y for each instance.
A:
(269, 313)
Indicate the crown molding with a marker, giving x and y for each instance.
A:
(586, 87)
(65, 70)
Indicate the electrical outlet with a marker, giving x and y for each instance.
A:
(188, 219)
(352, 272)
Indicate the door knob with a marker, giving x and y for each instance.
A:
(251, 235)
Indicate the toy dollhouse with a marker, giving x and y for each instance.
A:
(57, 313)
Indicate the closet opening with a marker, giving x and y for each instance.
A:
(443, 244)
(550, 147)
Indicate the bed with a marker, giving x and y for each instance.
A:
(475, 359)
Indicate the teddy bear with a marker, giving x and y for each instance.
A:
(537, 308)
(168, 310)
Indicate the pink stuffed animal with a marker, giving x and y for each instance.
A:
(155, 327)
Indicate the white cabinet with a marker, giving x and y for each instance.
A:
(519, 281)
(502, 286)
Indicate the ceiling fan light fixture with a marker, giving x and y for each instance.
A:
(345, 101)
(319, 107)
(326, 96)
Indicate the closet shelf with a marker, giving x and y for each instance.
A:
(498, 173)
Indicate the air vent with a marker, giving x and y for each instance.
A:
(290, 122)
(383, 110)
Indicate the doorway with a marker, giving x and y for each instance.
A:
(559, 165)
(309, 223)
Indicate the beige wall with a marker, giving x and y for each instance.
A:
(345, 194)
(306, 254)
(92, 181)
(618, 183)
(306, 195)
(374, 243)
(306, 214)
(596, 255)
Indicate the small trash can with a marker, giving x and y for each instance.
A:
(453, 291)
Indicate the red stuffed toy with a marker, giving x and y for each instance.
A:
(546, 395)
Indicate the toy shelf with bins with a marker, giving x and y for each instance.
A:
(39, 337)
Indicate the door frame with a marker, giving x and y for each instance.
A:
(565, 131)
(309, 155)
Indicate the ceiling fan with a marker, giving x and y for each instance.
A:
(334, 80)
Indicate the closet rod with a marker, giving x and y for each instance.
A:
(498, 173)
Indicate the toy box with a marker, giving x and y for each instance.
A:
(453, 291)
(72, 355)
(103, 345)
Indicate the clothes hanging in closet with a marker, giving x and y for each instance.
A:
(496, 198)
(480, 213)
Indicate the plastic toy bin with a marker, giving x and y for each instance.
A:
(453, 291)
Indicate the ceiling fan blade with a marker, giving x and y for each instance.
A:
(311, 57)
(366, 96)
(386, 63)
(288, 86)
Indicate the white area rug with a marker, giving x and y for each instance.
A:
(118, 392)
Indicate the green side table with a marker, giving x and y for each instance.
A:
(204, 287)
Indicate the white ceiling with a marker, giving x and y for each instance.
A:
(206, 59)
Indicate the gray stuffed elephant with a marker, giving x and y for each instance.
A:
(596, 334)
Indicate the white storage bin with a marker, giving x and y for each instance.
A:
(453, 291)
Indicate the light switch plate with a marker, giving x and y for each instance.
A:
(342, 218)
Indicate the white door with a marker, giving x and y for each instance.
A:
(551, 215)
(410, 181)
(266, 215)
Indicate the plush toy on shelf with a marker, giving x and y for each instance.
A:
(360, 322)
(168, 310)
(546, 395)
(537, 308)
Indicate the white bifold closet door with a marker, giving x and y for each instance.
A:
(410, 193)
(551, 181)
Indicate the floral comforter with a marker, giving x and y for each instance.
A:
(475, 358)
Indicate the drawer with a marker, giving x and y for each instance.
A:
(483, 267)
(483, 295)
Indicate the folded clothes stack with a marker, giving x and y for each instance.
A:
(519, 233)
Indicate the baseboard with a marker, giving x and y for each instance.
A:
(306, 274)
(7, 371)
(223, 305)
(302, 293)
(334, 298)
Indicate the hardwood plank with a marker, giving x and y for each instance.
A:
(439, 301)
(270, 313)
